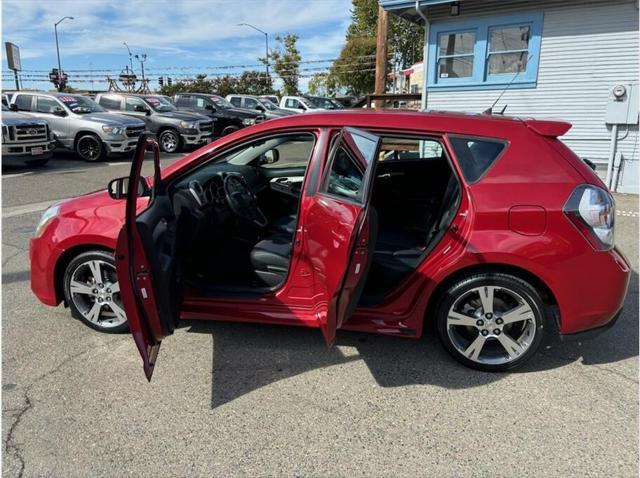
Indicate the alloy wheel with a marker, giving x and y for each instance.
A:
(95, 292)
(169, 141)
(491, 325)
(89, 148)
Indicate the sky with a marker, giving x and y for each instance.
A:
(180, 38)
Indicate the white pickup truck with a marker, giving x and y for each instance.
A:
(25, 139)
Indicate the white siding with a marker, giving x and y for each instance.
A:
(587, 47)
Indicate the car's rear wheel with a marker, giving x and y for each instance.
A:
(92, 291)
(169, 141)
(90, 148)
(229, 130)
(491, 321)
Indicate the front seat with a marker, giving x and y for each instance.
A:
(270, 259)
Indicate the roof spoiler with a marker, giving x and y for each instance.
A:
(552, 129)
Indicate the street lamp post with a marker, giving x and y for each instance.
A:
(141, 58)
(266, 44)
(130, 57)
(55, 29)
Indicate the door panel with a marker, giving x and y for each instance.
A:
(340, 229)
(147, 262)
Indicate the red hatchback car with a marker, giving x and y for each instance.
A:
(368, 221)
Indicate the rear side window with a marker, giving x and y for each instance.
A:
(475, 156)
(235, 100)
(23, 102)
(110, 102)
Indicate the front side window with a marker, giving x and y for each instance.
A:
(456, 54)
(292, 103)
(134, 104)
(250, 103)
(110, 102)
(346, 177)
(46, 105)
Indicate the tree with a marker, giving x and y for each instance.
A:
(254, 83)
(249, 83)
(286, 63)
(322, 84)
(355, 67)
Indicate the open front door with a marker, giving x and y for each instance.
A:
(341, 228)
(146, 261)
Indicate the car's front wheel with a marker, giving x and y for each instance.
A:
(90, 148)
(92, 291)
(491, 321)
(169, 141)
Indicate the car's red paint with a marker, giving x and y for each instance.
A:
(536, 172)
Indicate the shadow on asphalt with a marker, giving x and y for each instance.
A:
(247, 357)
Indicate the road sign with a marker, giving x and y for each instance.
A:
(13, 56)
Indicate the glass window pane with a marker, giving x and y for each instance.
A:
(46, 105)
(461, 43)
(345, 178)
(509, 38)
(456, 67)
(475, 156)
(505, 63)
(410, 149)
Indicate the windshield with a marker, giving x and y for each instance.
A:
(325, 103)
(159, 104)
(80, 105)
(267, 104)
(220, 102)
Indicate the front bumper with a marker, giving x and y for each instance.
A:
(42, 258)
(197, 137)
(22, 152)
(121, 145)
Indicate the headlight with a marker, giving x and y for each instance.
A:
(113, 129)
(248, 121)
(186, 125)
(592, 210)
(48, 216)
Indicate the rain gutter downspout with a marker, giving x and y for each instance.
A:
(425, 57)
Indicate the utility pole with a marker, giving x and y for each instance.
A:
(381, 54)
(55, 29)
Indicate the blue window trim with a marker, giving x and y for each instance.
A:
(480, 80)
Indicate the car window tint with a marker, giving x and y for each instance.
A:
(46, 105)
(110, 102)
(131, 102)
(183, 101)
(410, 149)
(235, 100)
(345, 178)
(475, 156)
(23, 102)
(250, 103)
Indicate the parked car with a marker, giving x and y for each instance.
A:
(325, 103)
(79, 124)
(370, 221)
(175, 129)
(273, 98)
(227, 117)
(299, 104)
(25, 139)
(264, 106)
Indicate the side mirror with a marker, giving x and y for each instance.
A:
(300, 107)
(271, 156)
(209, 108)
(260, 108)
(142, 109)
(13, 107)
(59, 112)
(118, 188)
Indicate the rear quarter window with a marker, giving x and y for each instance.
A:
(475, 156)
(110, 102)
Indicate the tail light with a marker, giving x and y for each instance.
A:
(591, 209)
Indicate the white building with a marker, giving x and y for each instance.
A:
(556, 59)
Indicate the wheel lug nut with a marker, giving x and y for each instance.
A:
(108, 299)
(480, 323)
(496, 332)
(488, 315)
(95, 291)
(484, 332)
(108, 291)
(100, 286)
(499, 321)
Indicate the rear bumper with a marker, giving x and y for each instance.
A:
(592, 333)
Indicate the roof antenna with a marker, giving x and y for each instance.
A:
(489, 110)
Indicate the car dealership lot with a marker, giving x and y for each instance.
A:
(256, 400)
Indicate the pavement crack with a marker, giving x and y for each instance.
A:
(10, 445)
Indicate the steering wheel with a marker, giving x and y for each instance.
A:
(242, 201)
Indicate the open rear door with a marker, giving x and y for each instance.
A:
(341, 228)
(146, 261)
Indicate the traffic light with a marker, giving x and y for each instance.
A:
(169, 81)
(161, 81)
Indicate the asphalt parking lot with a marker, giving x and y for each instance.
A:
(256, 400)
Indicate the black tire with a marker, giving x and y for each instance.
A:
(532, 323)
(38, 162)
(229, 130)
(74, 303)
(90, 148)
(170, 141)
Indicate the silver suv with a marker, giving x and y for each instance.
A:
(80, 124)
(25, 140)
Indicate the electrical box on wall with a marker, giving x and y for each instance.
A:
(622, 105)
